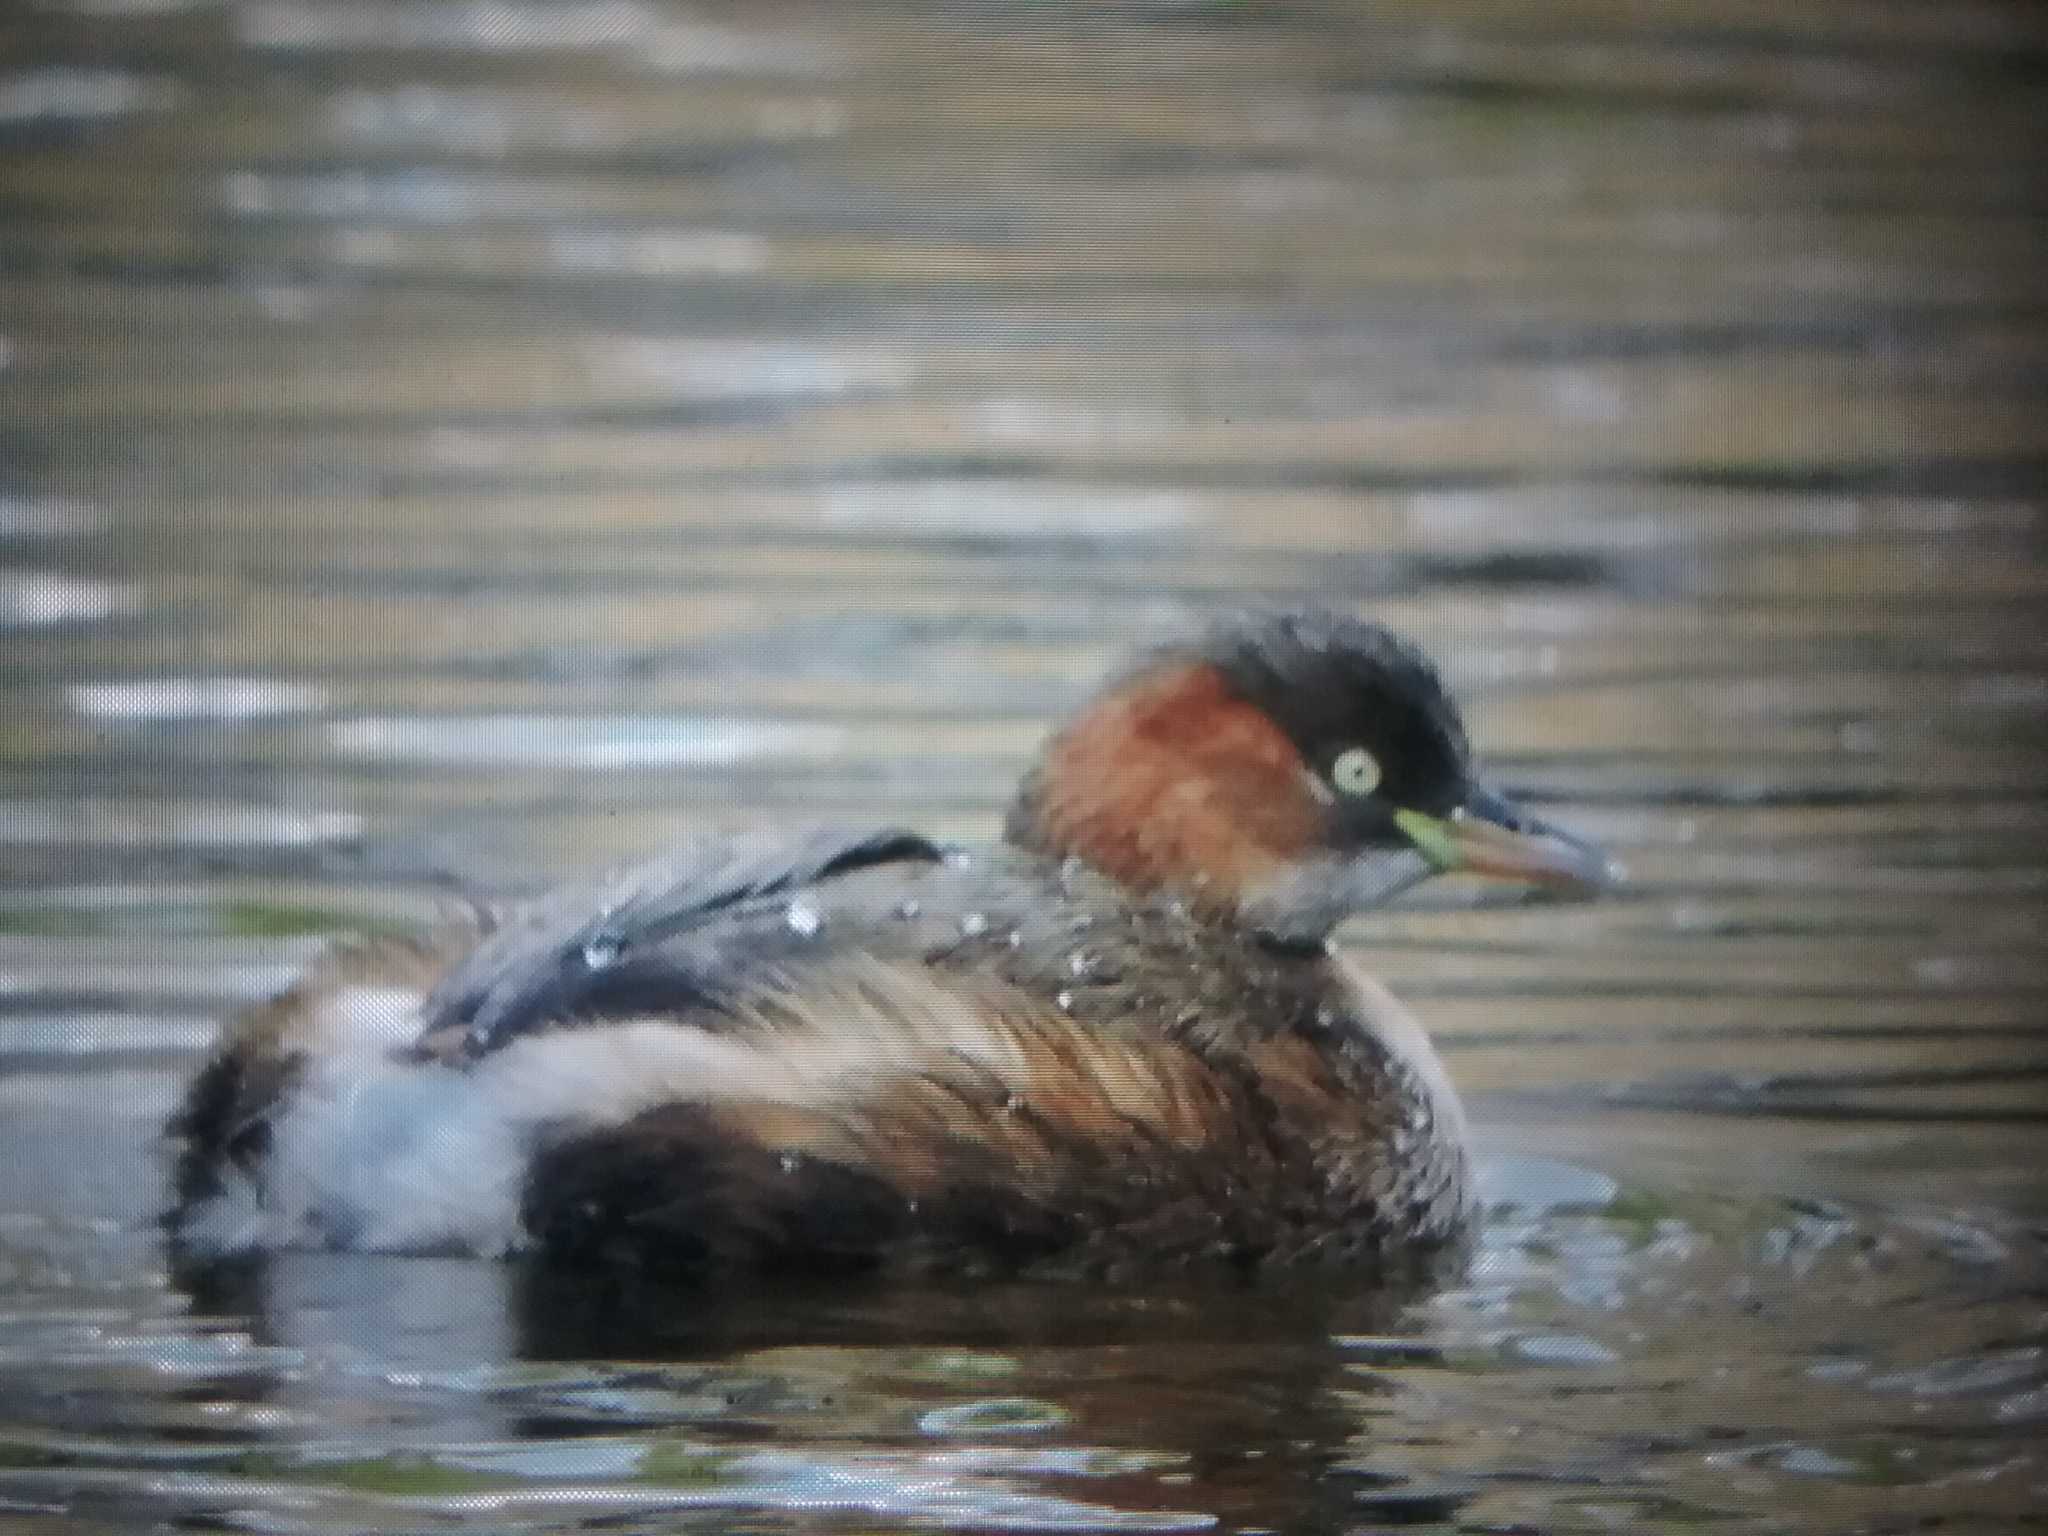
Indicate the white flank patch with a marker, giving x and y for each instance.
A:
(376, 1153)
(355, 1020)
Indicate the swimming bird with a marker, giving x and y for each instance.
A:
(1119, 1038)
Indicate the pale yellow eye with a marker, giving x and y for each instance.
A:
(1356, 771)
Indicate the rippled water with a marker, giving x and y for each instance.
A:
(469, 439)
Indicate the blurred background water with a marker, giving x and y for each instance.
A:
(477, 439)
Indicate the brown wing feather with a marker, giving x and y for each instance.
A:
(968, 1126)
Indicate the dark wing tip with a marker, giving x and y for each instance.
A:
(600, 943)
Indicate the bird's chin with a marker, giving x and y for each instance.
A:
(1304, 902)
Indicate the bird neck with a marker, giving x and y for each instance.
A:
(1169, 784)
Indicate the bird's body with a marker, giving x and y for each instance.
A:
(1119, 1038)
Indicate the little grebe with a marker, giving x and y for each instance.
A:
(1120, 1037)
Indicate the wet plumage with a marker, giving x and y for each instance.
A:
(1118, 1038)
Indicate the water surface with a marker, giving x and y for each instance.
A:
(446, 441)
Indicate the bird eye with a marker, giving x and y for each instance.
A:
(1356, 771)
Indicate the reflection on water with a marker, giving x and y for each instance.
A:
(453, 441)
(1618, 1359)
